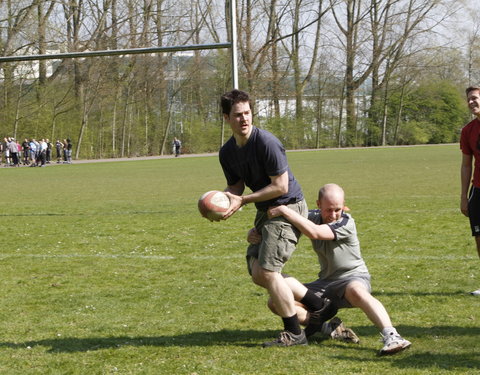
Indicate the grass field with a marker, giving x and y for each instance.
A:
(108, 268)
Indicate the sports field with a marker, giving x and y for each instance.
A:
(108, 268)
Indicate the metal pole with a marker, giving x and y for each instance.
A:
(129, 51)
(233, 33)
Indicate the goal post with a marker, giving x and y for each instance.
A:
(232, 45)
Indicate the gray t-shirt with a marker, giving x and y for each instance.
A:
(341, 257)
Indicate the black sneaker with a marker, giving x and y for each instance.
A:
(286, 338)
(318, 317)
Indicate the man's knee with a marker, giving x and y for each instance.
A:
(356, 292)
(261, 276)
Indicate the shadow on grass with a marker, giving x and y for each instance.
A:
(422, 332)
(457, 293)
(411, 358)
(248, 338)
(466, 359)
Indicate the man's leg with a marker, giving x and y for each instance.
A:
(299, 290)
(335, 329)
(282, 298)
(319, 309)
(360, 297)
(280, 293)
(477, 241)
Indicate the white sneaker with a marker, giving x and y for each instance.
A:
(394, 344)
(475, 292)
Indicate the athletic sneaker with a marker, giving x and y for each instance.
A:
(475, 292)
(318, 317)
(393, 343)
(286, 338)
(342, 333)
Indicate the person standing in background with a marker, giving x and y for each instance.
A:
(470, 189)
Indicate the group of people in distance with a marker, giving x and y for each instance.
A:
(34, 153)
(256, 159)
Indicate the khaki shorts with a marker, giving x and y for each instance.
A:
(279, 239)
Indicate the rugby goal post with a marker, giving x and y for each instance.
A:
(135, 51)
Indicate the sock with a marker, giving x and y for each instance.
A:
(312, 301)
(326, 328)
(291, 324)
(387, 331)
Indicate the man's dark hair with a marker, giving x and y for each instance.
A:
(229, 99)
(472, 88)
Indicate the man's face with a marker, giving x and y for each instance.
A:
(473, 99)
(240, 119)
(331, 208)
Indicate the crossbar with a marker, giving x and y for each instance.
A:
(117, 52)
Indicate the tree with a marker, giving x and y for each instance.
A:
(352, 86)
(385, 28)
(436, 109)
(17, 17)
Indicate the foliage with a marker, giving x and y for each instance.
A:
(328, 66)
(203, 137)
(413, 132)
(109, 268)
(433, 112)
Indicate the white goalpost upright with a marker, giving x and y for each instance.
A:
(233, 42)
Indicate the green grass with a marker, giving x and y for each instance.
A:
(109, 268)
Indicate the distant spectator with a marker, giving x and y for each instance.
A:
(37, 152)
(65, 158)
(13, 152)
(43, 152)
(33, 152)
(69, 151)
(20, 152)
(48, 156)
(7, 152)
(59, 148)
(177, 146)
(26, 151)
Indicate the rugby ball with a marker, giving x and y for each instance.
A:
(213, 205)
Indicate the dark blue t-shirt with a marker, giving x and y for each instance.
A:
(262, 156)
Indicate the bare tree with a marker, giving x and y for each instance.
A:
(349, 16)
(384, 27)
(473, 55)
(303, 63)
(44, 9)
(16, 16)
